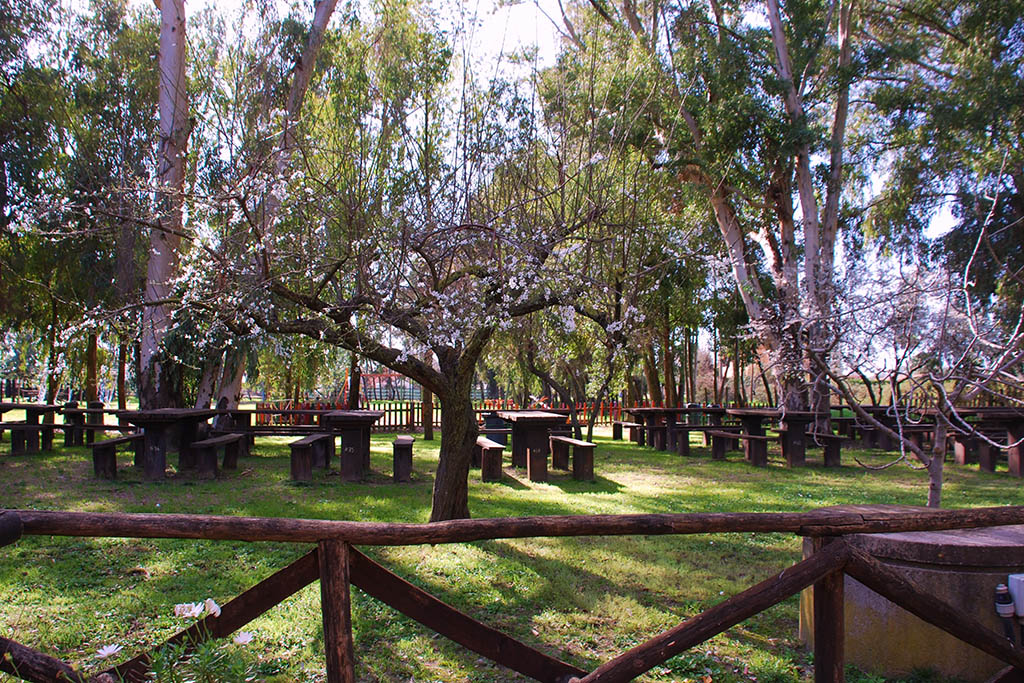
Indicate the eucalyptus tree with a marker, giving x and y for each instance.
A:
(112, 133)
(941, 323)
(955, 69)
(736, 112)
(159, 376)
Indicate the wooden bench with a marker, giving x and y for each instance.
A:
(617, 429)
(582, 456)
(681, 433)
(104, 454)
(315, 450)
(29, 438)
(831, 445)
(205, 453)
(501, 435)
(755, 446)
(487, 456)
(723, 439)
(401, 460)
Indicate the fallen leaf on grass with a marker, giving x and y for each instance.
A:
(139, 571)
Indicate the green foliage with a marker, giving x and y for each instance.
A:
(957, 70)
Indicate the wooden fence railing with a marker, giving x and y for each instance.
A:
(338, 565)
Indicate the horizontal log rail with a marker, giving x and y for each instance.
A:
(337, 565)
(824, 522)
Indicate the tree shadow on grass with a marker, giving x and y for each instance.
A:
(600, 484)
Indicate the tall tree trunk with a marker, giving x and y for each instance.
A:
(715, 367)
(92, 392)
(651, 374)
(353, 383)
(428, 414)
(208, 381)
(229, 391)
(122, 376)
(159, 377)
(668, 365)
(684, 381)
(693, 366)
(736, 371)
(53, 375)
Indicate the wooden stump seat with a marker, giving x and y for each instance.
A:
(582, 456)
(104, 454)
(831, 444)
(402, 459)
(487, 456)
(205, 452)
(315, 450)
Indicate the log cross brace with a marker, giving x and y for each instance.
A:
(337, 564)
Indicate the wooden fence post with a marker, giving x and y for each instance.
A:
(829, 627)
(335, 603)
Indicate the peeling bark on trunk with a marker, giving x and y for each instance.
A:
(159, 377)
(204, 393)
(230, 387)
(92, 392)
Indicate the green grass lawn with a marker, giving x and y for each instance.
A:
(584, 600)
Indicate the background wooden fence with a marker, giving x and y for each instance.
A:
(338, 564)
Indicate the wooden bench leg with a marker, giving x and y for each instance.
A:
(987, 456)
(302, 463)
(832, 450)
(616, 432)
(536, 465)
(17, 441)
(104, 462)
(490, 465)
(683, 442)
(206, 462)
(351, 462)
(318, 450)
(719, 445)
(476, 459)
(139, 447)
(559, 455)
(583, 463)
(758, 451)
(965, 450)
(231, 454)
(47, 438)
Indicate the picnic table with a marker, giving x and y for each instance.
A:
(81, 424)
(792, 435)
(157, 426)
(1010, 420)
(655, 421)
(31, 427)
(354, 427)
(530, 430)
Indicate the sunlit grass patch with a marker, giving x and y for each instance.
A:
(583, 600)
